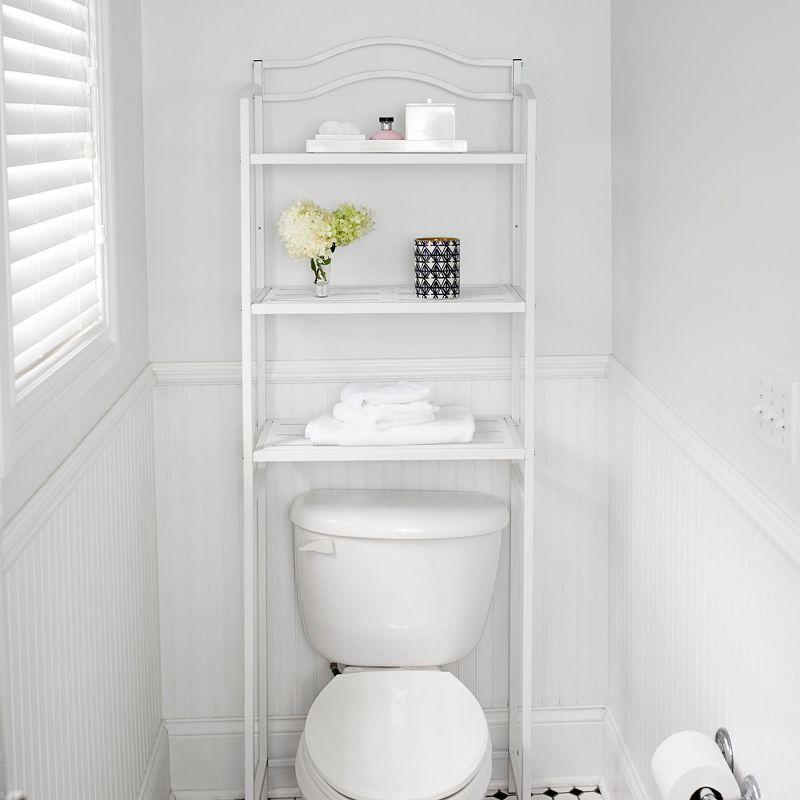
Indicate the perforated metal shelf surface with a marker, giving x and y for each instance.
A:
(488, 299)
(475, 158)
(495, 439)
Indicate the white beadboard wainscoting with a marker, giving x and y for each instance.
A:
(82, 670)
(704, 601)
(198, 473)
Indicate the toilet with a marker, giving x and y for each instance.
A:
(392, 585)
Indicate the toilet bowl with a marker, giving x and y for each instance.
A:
(394, 735)
(393, 584)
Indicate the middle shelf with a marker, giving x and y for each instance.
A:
(496, 439)
(479, 299)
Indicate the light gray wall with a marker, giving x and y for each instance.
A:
(128, 202)
(706, 241)
(196, 59)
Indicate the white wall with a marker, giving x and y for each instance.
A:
(705, 174)
(196, 59)
(129, 247)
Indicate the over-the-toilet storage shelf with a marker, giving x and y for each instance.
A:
(500, 438)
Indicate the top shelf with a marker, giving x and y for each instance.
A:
(383, 159)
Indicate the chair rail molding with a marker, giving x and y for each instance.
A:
(474, 368)
(25, 523)
(776, 523)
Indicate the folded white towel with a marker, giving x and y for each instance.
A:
(390, 417)
(393, 410)
(359, 394)
(451, 425)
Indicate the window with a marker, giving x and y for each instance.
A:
(57, 293)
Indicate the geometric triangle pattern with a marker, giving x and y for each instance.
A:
(437, 267)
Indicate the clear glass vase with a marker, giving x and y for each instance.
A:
(321, 269)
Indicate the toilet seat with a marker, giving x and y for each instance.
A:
(313, 786)
(394, 735)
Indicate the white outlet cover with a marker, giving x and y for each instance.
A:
(775, 410)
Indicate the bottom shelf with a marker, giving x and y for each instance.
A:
(496, 439)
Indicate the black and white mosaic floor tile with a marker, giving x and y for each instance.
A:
(556, 793)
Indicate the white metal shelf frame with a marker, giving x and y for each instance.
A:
(495, 439)
(476, 158)
(515, 442)
(485, 299)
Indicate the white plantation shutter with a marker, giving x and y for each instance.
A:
(55, 220)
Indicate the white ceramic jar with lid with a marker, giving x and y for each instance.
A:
(430, 121)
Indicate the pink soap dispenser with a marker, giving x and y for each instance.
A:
(386, 131)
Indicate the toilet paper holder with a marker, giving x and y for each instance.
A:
(750, 787)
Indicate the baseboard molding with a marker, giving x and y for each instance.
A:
(312, 371)
(206, 754)
(604, 788)
(613, 772)
(564, 715)
(28, 520)
(155, 784)
(780, 527)
(208, 794)
(620, 779)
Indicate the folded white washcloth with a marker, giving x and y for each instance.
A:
(451, 425)
(360, 394)
(390, 417)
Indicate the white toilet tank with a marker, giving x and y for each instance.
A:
(396, 578)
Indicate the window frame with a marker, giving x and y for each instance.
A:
(26, 414)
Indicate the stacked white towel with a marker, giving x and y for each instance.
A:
(390, 414)
(380, 407)
(451, 425)
(359, 395)
(382, 418)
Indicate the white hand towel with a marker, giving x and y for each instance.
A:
(451, 425)
(359, 394)
(394, 410)
(385, 420)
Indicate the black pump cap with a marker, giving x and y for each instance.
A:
(385, 119)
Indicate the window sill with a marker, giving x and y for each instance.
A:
(44, 404)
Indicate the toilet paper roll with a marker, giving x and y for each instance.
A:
(688, 761)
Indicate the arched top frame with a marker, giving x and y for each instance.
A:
(511, 65)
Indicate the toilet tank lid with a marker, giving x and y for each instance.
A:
(398, 514)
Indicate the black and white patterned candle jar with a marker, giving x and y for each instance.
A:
(438, 267)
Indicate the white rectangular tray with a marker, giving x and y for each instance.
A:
(385, 146)
(340, 137)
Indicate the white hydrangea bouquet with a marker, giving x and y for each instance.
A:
(312, 233)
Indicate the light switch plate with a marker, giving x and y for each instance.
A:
(775, 410)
